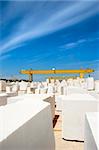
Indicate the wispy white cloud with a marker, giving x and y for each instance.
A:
(3, 57)
(81, 41)
(70, 45)
(73, 44)
(14, 47)
(77, 43)
(43, 18)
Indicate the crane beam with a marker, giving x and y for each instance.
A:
(81, 72)
(56, 71)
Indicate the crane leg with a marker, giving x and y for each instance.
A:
(81, 75)
(30, 77)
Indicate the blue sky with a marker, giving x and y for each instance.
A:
(46, 34)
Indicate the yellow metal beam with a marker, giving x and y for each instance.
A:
(81, 72)
(56, 71)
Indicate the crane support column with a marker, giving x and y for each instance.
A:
(30, 77)
(81, 75)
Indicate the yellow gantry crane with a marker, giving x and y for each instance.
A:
(81, 72)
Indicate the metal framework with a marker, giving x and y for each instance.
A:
(81, 72)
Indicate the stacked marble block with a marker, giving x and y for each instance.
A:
(95, 92)
(40, 90)
(22, 87)
(31, 88)
(91, 137)
(8, 88)
(82, 86)
(44, 88)
(51, 89)
(68, 91)
(62, 88)
(90, 83)
(27, 87)
(97, 86)
(26, 124)
(87, 83)
(11, 94)
(2, 86)
(74, 107)
(3, 99)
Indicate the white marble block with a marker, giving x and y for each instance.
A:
(72, 89)
(2, 86)
(37, 91)
(63, 83)
(12, 94)
(21, 92)
(29, 91)
(51, 89)
(90, 83)
(76, 83)
(43, 97)
(36, 97)
(51, 100)
(26, 125)
(23, 86)
(91, 137)
(43, 90)
(15, 88)
(3, 99)
(58, 99)
(8, 89)
(97, 86)
(67, 90)
(74, 107)
(70, 82)
(60, 90)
